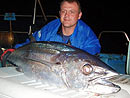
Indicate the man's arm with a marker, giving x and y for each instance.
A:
(91, 43)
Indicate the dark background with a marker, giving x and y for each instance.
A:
(100, 15)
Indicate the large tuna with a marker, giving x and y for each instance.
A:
(64, 66)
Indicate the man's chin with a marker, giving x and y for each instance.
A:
(68, 25)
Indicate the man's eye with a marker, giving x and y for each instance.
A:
(72, 12)
(62, 11)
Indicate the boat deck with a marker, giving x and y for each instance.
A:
(14, 84)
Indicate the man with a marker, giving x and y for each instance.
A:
(69, 29)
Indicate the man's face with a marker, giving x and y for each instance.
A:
(69, 14)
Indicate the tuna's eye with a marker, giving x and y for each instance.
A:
(87, 69)
(58, 63)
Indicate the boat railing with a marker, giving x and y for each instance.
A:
(22, 22)
(114, 32)
(127, 48)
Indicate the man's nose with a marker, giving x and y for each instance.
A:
(67, 13)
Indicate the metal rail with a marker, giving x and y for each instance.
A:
(128, 53)
(114, 32)
(30, 16)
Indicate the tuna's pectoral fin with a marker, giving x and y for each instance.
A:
(102, 86)
(19, 69)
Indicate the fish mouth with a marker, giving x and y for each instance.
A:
(102, 86)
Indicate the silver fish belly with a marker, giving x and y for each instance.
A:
(64, 66)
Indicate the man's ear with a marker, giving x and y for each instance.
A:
(59, 13)
(80, 14)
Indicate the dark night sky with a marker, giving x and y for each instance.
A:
(100, 15)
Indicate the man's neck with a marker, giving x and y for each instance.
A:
(68, 30)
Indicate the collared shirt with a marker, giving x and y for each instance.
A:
(65, 38)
